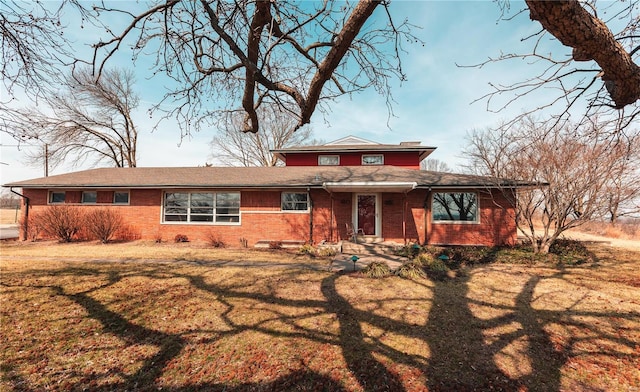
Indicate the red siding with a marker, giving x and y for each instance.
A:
(402, 159)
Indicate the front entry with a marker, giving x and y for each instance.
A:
(366, 214)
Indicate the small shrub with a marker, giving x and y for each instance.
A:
(436, 269)
(326, 252)
(127, 233)
(244, 242)
(307, 249)
(411, 270)
(377, 269)
(215, 240)
(158, 238)
(410, 250)
(181, 238)
(424, 259)
(103, 223)
(61, 222)
(32, 227)
(275, 245)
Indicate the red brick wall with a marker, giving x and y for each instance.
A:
(497, 224)
(261, 218)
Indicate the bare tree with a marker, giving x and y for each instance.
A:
(232, 147)
(567, 169)
(294, 55)
(432, 164)
(600, 76)
(622, 190)
(90, 119)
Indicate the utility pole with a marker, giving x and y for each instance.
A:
(46, 160)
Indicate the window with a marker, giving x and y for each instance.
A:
(455, 207)
(372, 159)
(202, 207)
(295, 201)
(89, 197)
(120, 197)
(56, 197)
(328, 160)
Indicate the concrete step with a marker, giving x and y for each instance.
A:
(367, 248)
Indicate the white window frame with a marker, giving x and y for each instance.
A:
(215, 214)
(450, 221)
(294, 210)
(83, 201)
(50, 198)
(122, 203)
(381, 156)
(334, 158)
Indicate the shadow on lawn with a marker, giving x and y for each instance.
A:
(462, 357)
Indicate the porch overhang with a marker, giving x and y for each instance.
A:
(369, 186)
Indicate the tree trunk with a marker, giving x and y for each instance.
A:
(591, 39)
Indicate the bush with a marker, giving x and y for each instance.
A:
(103, 223)
(411, 270)
(377, 269)
(181, 238)
(307, 249)
(215, 240)
(436, 269)
(327, 251)
(61, 222)
(275, 245)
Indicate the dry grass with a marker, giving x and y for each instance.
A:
(69, 324)
(8, 216)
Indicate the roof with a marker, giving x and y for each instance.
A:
(355, 144)
(258, 177)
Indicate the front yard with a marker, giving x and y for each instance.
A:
(187, 323)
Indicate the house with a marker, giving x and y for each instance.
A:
(323, 193)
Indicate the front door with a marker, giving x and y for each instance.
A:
(366, 214)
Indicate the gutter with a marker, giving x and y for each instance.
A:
(25, 219)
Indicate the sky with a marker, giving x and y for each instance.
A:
(434, 105)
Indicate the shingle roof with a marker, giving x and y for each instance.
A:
(253, 177)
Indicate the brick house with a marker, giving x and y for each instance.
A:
(323, 193)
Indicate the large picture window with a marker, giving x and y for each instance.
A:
(199, 207)
(455, 207)
(295, 201)
(56, 197)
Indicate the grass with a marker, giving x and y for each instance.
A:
(9, 216)
(70, 323)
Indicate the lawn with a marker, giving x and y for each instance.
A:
(184, 324)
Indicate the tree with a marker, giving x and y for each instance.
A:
(235, 148)
(432, 164)
(601, 75)
(90, 119)
(568, 171)
(623, 188)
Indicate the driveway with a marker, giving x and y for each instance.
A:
(8, 232)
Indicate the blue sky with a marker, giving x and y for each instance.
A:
(433, 106)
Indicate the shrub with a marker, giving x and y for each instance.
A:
(61, 222)
(436, 269)
(244, 242)
(103, 223)
(275, 245)
(327, 252)
(377, 269)
(215, 240)
(307, 249)
(411, 270)
(181, 238)
(32, 227)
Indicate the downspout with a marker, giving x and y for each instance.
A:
(404, 217)
(25, 220)
(427, 213)
(310, 217)
(331, 218)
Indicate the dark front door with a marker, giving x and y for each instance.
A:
(367, 214)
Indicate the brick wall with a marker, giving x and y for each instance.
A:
(261, 218)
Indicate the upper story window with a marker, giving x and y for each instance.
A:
(90, 197)
(120, 197)
(328, 160)
(377, 159)
(455, 207)
(56, 197)
(295, 201)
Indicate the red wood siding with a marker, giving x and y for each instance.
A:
(402, 159)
